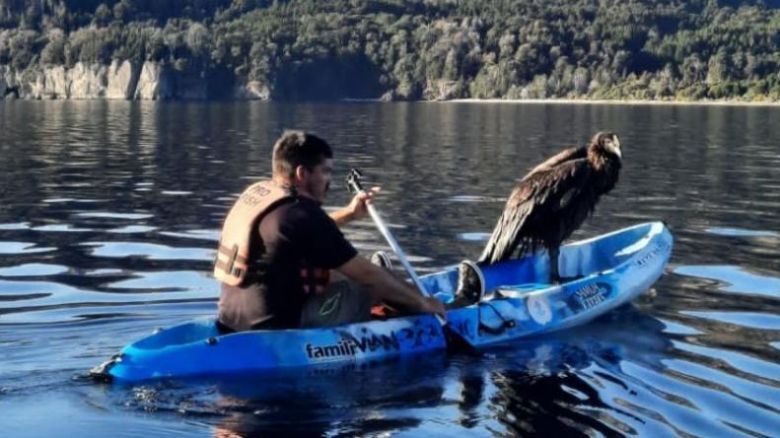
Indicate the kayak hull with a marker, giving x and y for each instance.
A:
(611, 269)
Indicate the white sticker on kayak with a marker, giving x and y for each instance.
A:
(539, 309)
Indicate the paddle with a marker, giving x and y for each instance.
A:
(454, 338)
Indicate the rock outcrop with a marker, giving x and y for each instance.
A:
(82, 81)
(153, 83)
(119, 80)
(126, 80)
(442, 90)
(87, 81)
(51, 83)
(251, 90)
(122, 80)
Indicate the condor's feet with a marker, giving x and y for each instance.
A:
(471, 285)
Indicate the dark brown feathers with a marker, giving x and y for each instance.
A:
(555, 198)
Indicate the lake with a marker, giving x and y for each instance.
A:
(110, 212)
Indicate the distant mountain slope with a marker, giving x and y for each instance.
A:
(395, 49)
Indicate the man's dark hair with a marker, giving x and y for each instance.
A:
(297, 148)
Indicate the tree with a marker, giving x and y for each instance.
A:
(581, 81)
(54, 51)
(719, 68)
(198, 40)
(555, 48)
(103, 15)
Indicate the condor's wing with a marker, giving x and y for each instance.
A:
(565, 155)
(539, 196)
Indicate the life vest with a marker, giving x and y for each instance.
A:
(232, 262)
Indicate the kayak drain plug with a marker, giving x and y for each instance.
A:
(212, 341)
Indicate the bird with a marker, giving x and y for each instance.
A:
(553, 200)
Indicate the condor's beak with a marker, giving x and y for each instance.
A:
(617, 148)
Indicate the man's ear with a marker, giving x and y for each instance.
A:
(300, 172)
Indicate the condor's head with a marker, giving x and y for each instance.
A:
(608, 143)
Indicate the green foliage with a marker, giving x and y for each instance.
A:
(612, 49)
(53, 52)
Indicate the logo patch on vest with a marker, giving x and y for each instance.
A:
(253, 196)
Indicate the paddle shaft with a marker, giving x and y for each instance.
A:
(396, 248)
(353, 181)
(400, 253)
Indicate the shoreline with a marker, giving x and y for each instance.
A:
(556, 101)
(635, 102)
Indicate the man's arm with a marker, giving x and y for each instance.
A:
(356, 209)
(342, 217)
(382, 285)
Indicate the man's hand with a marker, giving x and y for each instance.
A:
(358, 207)
(384, 286)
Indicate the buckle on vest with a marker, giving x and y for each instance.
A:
(232, 261)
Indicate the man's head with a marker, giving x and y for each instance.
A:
(303, 161)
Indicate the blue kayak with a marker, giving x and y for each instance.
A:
(610, 270)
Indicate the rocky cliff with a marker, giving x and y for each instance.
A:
(125, 80)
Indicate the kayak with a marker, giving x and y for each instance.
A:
(608, 271)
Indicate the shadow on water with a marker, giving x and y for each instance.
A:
(109, 214)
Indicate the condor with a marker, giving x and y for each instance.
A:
(554, 199)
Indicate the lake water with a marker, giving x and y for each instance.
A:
(110, 211)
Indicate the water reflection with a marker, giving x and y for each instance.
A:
(575, 382)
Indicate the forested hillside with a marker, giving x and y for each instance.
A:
(419, 49)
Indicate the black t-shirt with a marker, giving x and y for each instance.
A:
(299, 239)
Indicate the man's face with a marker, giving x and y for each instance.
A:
(317, 182)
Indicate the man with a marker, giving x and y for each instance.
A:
(278, 247)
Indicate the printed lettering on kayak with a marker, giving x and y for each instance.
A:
(653, 253)
(592, 294)
(350, 345)
(420, 336)
(343, 348)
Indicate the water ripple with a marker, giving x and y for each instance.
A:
(740, 232)
(746, 319)
(114, 215)
(735, 279)
(110, 217)
(32, 270)
(14, 226)
(22, 248)
(149, 251)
